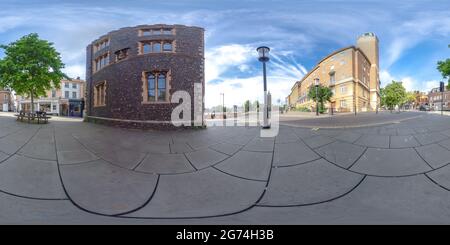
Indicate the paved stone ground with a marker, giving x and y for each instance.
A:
(74, 172)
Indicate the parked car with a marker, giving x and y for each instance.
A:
(424, 108)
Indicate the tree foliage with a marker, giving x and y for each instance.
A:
(31, 67)
(444, 68)
(323, 94)
(394, 94)
(247, 106)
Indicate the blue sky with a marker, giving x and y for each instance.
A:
(413, 36)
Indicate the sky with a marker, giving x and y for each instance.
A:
(413, 36)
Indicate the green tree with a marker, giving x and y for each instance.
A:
(393, 94)
(444, 68)
(256, 105)
(323, 94)
(410, 98)
(31, 66)
(247, 106)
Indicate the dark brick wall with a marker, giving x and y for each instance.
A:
(124, 78)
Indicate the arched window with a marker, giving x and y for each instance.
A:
(156, 47)
(147, 48)
(167, 47)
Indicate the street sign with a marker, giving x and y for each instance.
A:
(441, 87)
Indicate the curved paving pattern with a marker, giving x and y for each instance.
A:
(227, 173)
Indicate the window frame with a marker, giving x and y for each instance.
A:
(100, 94)
(156, 74)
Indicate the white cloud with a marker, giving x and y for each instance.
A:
(74, 71)
(11, 22)
(250, 88)
(220, 59)
(409, 82)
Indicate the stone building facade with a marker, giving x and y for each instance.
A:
(351, 73)
(133, 72)
(68, 100)
(437, 99)
(5, 100)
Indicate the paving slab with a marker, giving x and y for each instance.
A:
(348, 136)
(430, 138)
(249, 165)
(205, 158)
(405, 131)
(32, 178)
(123, 158)
(3, 156)
(226, 148)
(390, 162)
(161, 163)
(377, 141)
(286, 136)
(318, 141)
(13, 142)
(41, 146)
(76, 156)
(441, 176)
(180, 148)
(260, 144)
(446, 144)
(106, 189)
(403, 141)
(435, 155)
(377, 200)
(341, 153)
(309, 183)
(202, 193)
(293, 153)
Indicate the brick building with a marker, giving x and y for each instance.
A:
(351, 73)
(132, 73)
(438, 99)
(5, 100)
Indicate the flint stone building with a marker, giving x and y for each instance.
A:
(133, 72)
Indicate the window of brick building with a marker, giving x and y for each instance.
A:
(156, 31)
(101, 62)
(156, 87)
(66, 94)
(167, 47)
(121, 54)
(343, 89)
(156, 47)
(100, 94)
(343, 103)
(101, 45)
(74, 95)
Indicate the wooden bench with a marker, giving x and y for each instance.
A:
(40, 117)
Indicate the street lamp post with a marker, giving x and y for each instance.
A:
(316, 83)
(263, 53)
(442, 88)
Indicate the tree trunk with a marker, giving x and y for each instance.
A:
(32, 102)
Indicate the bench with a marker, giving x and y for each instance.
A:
(40, 117)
